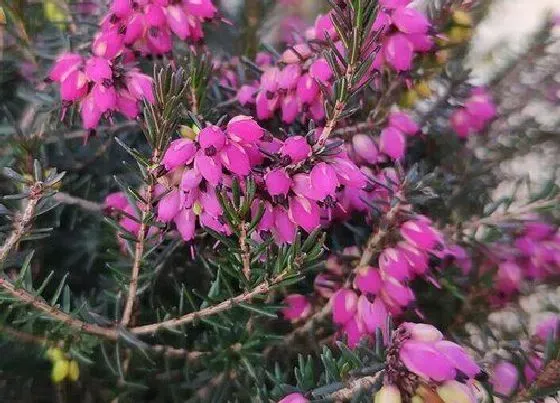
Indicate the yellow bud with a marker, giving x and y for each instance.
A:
(461, 17)
(2, 17)
(388, 394)
(408, 99)
(196, 129)
(197, 207)
(60, 370)
(73, 371)
(459, 34)
(54, 12)
(455, 392)
(55, 354)
(423, 89)
(417, 399)
(187, 132)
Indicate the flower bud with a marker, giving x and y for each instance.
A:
(294, 398)
(364, 146)
(456, 392)
(244, 129)
(297, 307)
(392, 142)
(504, 378)
(388, 394)
(344, 305)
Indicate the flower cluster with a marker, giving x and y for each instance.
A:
(147, 26)
(533, 255)
(405, 32)
(474, 115)
(293, 85)
(106, 81)
(100, 86)
(382, 290)
(419, 356)
(298, 187)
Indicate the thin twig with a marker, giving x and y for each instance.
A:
(22, 336)
(354, 386)
(140, 244)
(87, 205)
(39, 304)
(21, 223)
(211, 310)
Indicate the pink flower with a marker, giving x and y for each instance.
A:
(284, 227)
(246, 94)
(179, 152)
(373, 315)
(509, 277)
(74, 86)
(211, 139)
(458, 357)
(324, 179)
(116, 201)
(140, 86)
(393, 263)
(89, 113)
(410, 21)
(64, 65)
(364, 146)
(235, 159)
(420, 234)
(461, 122)
(321, 70)
(392, 142)
(368, 280)
(304, 213)
(290, 109)
(107, 44)
(403, 122)
(168, 206)
(185, 222)
(98, 69)
(209, 168)
(296, 148)
(104, 98)
(424, 360)
(504, 378)
(307, 89)
(288, 77)
(399, 52)
(354, 330)
(244, 129)
(344, 305)
(277, 182)
(294, 398)
(297, 307)
(549, 327)
(201, 8)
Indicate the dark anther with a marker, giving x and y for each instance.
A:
(210, 151)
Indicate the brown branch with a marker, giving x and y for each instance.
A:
(39, 304)
(354, 386)
(22, 336)
(82, 203)
(140, 244)
(211, 310)
(170, 351)
(22, 222)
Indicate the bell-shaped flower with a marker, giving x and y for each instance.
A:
(211, 140)
(504, 378)
(209, 168)
(244, 129)
(403, 122)
(74, 86)
(392, 142)
(344, 304)
(98, 69)
(295, 397)
(324, 179)
(284, 227)
(373, 315)
(420, 234)
(304, 213)
(393, 263)
(458, 357)
(297, 307)
(296, 148)
(89, 113)
(277, 182)
(410, 20)
(425, 361)
(288, 77)
(169, 206)
(367, 280)
(399, 52)
(235, 158)
(307, 89)
(364, 146)
(185, 222)
(64, 65)
(321, 70)
(179, 152)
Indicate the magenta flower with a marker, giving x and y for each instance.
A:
(420, 234)
(284, 227)
(179, 152)
(373, 315)
(235, 159)
(365, 148)
(548, 328)
(277, 182)
(296, 148)
(410, 21)
(353, 330)
(368, 280)
(458, 357)
(294, 398)
(504, 378)
(403, 122)
(324, 180)
(321, 70)
(297, 307)
(426, 361)
(304, 213)
(116, 201)
(344, 305)
(392, 142)
(393, 263)
(244, 129)
(168, 206)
